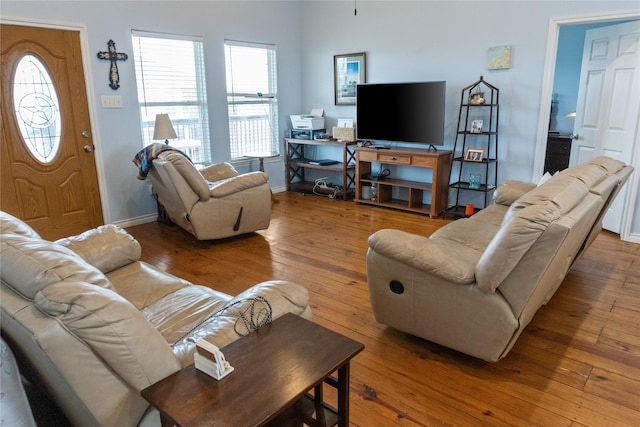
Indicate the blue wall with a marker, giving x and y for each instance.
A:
(404, 41)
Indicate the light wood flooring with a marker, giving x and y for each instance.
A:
(576, 364)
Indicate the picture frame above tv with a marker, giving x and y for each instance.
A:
(349, 70)
(401, 112)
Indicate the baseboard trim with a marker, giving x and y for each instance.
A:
(137, 221)
(633, 238)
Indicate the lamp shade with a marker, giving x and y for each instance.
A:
(164, 128)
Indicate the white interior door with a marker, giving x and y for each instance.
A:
(608, 105)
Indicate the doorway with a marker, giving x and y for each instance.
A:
(630, 201)
(49, 170)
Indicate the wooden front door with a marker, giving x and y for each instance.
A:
(48, 176)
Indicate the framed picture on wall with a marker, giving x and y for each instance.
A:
(348, 72)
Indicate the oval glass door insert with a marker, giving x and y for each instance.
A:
(37, 108)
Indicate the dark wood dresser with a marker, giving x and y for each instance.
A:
(558, 152)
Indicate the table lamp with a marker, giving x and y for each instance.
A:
(164, 128)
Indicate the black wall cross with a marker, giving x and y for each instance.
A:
(113, 56)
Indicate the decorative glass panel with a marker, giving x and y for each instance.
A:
(37, 108)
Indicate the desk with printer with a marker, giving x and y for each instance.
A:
(311, 150)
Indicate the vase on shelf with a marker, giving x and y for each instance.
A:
(474, 181)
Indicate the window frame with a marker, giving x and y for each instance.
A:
(190, 129)
(265, 140)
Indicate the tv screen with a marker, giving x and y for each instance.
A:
(403, 112)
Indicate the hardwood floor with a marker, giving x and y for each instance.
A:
(576, 364)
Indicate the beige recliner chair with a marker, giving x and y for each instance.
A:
(213, 203)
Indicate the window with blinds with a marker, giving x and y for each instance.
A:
(252, 98)
(170, 79)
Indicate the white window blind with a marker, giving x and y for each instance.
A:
(252, 98)
(170, 79)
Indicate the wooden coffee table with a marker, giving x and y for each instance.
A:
(276, 368)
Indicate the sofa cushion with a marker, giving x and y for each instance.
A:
(233, 185)
(609, 164)
(190, 174)
(112, 327)
(563, 191)
(29, 265)
(510, 191)
(219, 171)
(468, 232)
(142, 284)
(9, 224)
(107, 247)
(225, 325)
(512, 241)
(589, 174)
(182, 311)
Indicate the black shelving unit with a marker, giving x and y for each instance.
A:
(475, 150)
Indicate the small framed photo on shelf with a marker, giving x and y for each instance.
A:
(474, 154)
(476, 126)
(348, 72)
(476, 98)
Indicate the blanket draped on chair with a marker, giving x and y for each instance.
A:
(145, 156)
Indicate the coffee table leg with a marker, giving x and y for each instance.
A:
(343, 395)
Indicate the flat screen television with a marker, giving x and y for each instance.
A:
(402, 112)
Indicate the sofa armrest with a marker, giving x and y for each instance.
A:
(107, 247)
(443, 258)
(237, 183)
(510, 191)
(219, 171)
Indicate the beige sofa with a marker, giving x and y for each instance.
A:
(475, 284)
(213, 203)
(96, 325)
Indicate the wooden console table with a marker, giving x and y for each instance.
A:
(438, 161)
(275, 369)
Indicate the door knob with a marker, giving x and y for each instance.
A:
(85, 134)
(574, 136)
(88, 148)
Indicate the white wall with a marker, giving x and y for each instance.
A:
(118, 138)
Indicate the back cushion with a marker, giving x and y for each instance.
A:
(9, 224)
(565, 192)
(107, 247)
(588, 173)
(512, 241)
(190, 174)
(113, 328)
(609, 164)
(29, 265)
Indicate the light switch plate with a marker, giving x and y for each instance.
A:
(111, 101)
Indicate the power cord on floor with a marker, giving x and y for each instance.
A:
(321, 188)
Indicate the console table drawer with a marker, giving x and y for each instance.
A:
(394, 159)
(368, 156)
(424, 162)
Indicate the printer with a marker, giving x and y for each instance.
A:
(312, 121)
